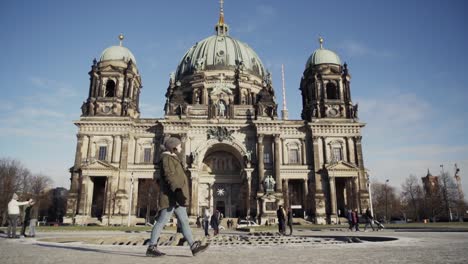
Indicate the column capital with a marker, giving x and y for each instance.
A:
(260, 138)
(315, 139)
(80, 137)
(358, 139)
(277, 138)
(125, 138)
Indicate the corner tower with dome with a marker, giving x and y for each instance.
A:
(241, 159)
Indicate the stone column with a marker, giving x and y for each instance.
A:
(283, 151)
(333, 195)
(194, 194)
(124, 152)
(88, 195)
(356, 193)
(324, 149)
(183, 139)
(287, 203)
(115, 150)
(277, 161)
(303, 152)
(320, 212)
(261, 165)
(78, 161)
(361, 181)
(136, 152)
(305, 189)
(210, 197)
(89, 154)
(352, 155)
(248, 178)
(135, 196)
(360, 161)
(318, 181)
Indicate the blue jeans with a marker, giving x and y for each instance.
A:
(164, 216)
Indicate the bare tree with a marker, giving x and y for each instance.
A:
(411, 196)
(385, 201)
(13, 179)
(448, 193)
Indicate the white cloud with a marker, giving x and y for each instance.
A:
(353, 48)
(400, 138)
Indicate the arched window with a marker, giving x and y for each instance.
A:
(293, 154)
(110, 88)
(332, 91)
(336, 151)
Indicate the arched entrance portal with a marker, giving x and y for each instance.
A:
(222, 186)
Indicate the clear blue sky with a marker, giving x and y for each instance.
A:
(407, 59)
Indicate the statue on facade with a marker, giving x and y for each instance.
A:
(84, 109)
(197, 97)
(199, 64)
(269, 184)
(172, 78)
(221, 109)
(248, 158)
(355, 110)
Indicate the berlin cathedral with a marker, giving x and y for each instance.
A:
(241, 157)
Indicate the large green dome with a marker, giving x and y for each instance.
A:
(220, 52)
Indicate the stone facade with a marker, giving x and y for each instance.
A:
(241, 159)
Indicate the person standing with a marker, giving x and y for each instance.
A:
(369, 220)
(350, 220)
(290, 221)
(173, 199)
(281, 220)
(13, 214)
(30, 219)
(356, 219)
(206, 222)
(214, 222)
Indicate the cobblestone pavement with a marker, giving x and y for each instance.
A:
(313, 247)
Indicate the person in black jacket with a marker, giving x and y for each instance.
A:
(280, 213)
(214, 222)
(290, 220)
(30, 219)
(369, 220)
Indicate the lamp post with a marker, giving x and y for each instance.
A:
(130, 200)
(386, 200)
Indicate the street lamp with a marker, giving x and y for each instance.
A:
(130, 200)
(386, 201)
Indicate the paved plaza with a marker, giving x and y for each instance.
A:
(232, 247)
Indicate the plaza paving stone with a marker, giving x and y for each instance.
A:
(305, 247)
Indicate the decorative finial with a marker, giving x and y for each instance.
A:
(121, 38)
(221, 12)
(321, 42)
(221, 27)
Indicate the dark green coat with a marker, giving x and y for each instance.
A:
(172, 177)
